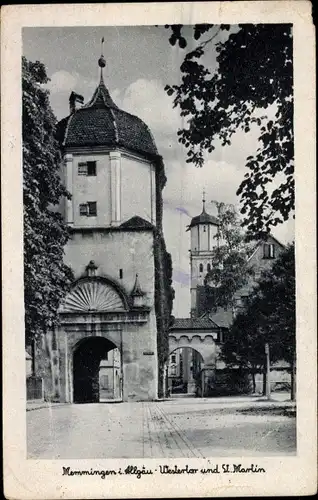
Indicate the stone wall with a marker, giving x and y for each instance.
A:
(112, 251)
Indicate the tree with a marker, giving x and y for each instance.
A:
(46, 278)
(252, 85)
(277, 290)
(229, 271)
(269, 317)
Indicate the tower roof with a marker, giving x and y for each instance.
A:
(203, 218)
(101, 123)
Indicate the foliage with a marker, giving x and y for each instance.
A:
(276, 292)
(228, 383)
(46, 278)
(164, 292)
(251, 86)
(229, 271)
(269, 317)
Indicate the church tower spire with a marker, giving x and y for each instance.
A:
(204, 229)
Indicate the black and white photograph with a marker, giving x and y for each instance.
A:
(159, 248)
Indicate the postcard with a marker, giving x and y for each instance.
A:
(159, 250)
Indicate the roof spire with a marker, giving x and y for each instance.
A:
(101, 97)
(203, 201)
(101, 60)
(137, 292)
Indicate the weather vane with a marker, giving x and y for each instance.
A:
(203, 199)
(102, 46)
(101, 60)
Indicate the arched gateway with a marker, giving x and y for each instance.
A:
(87, 357)
(199, 335)
(98, 319)
(93, 315)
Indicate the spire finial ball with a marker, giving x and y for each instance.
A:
(102, 62)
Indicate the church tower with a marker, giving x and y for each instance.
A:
(204, 233)
(115, 175)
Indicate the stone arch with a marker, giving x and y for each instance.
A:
(87, 355)
(175, 347)
(95, 294)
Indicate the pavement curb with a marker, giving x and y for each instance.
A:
(45, 405)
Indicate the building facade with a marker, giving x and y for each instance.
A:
(115, 175)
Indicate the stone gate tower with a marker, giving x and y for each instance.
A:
(115, 175)
(204, 232)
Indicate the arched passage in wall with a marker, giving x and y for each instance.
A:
(184, 370)
(88, 356)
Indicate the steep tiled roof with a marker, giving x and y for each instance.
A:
(203, 218)
(136, 222)
(222, 317)
(193, 324)
(101, 123)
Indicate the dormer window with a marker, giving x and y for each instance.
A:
(87, 168)
(268, 251)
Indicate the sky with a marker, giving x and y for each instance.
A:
(139, 63)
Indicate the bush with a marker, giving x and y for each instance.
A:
(229, 383)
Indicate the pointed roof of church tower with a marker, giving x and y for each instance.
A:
(203, 218)
(101, 123)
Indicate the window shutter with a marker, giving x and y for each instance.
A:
(91, 168)
(92, 208)
(83, 209)
(82, 168)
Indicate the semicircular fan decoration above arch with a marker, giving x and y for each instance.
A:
(93, 296)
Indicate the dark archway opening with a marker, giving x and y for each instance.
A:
(87, 358)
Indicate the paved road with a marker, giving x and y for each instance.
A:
(175, 428)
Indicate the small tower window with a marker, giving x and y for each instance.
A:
(268, 251)
(87, 168)
(120, 274)
(208, 267)
(88, 209)
(201, 268)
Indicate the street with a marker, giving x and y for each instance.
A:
(180, 427)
